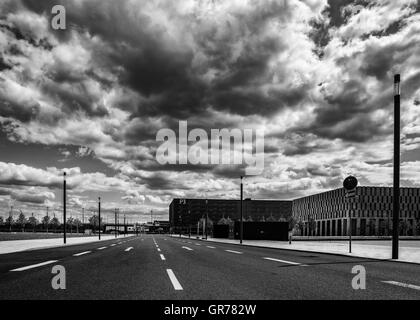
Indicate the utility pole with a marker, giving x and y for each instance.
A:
(99, 216)
(125, 227)
(64, 208)
(241, 223)
(396, 187)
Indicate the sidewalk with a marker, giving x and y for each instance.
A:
(409, 251)
(35, 244)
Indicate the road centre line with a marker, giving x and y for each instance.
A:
(162, 257)
(34, 265)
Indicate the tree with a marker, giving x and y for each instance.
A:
(70, 222)
(94, 221)
(299, 226)
(33, 222)
(55, 223)
(1, 221)
(77, 223)
(46, 222)
(21, 221)
(10, 222)
(292, 223)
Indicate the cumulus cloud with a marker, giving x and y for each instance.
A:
(316, 75)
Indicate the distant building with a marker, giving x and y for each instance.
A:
(326, 214)
(184, 214)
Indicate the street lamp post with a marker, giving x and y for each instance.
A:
(241, 224)
(64, 208)
(207, 215)
(99, 216)
(115, 222)
(396, 187)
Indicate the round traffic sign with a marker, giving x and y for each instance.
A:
(350, 183)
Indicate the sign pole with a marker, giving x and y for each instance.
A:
(350, 184)
(350, 229)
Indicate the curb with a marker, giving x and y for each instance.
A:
(57, 246)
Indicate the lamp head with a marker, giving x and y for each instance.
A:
(397, 87)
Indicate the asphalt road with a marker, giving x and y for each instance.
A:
(162, 267)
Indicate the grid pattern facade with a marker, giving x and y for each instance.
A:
(327, 214)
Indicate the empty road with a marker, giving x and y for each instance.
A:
(164, 267)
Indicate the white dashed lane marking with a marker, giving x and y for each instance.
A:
(174, 280)
(285, 261)
(233, 251)
(162, 257)
(186, 248)
(35, 265)
(81, 253)
(128, 249)
(102, 248)
(211, 247)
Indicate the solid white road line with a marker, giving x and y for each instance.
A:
(174, 280)
(287, 262)
(233, 251)
(401, 284)
(102, 248)
(211, 247)
(35, 265)
(189, 249)
(81, 253)
(162, 257)
(128, 249)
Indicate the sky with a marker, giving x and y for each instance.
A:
(315, 75)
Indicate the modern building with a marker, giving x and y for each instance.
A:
(327, 214)
(186, 214)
